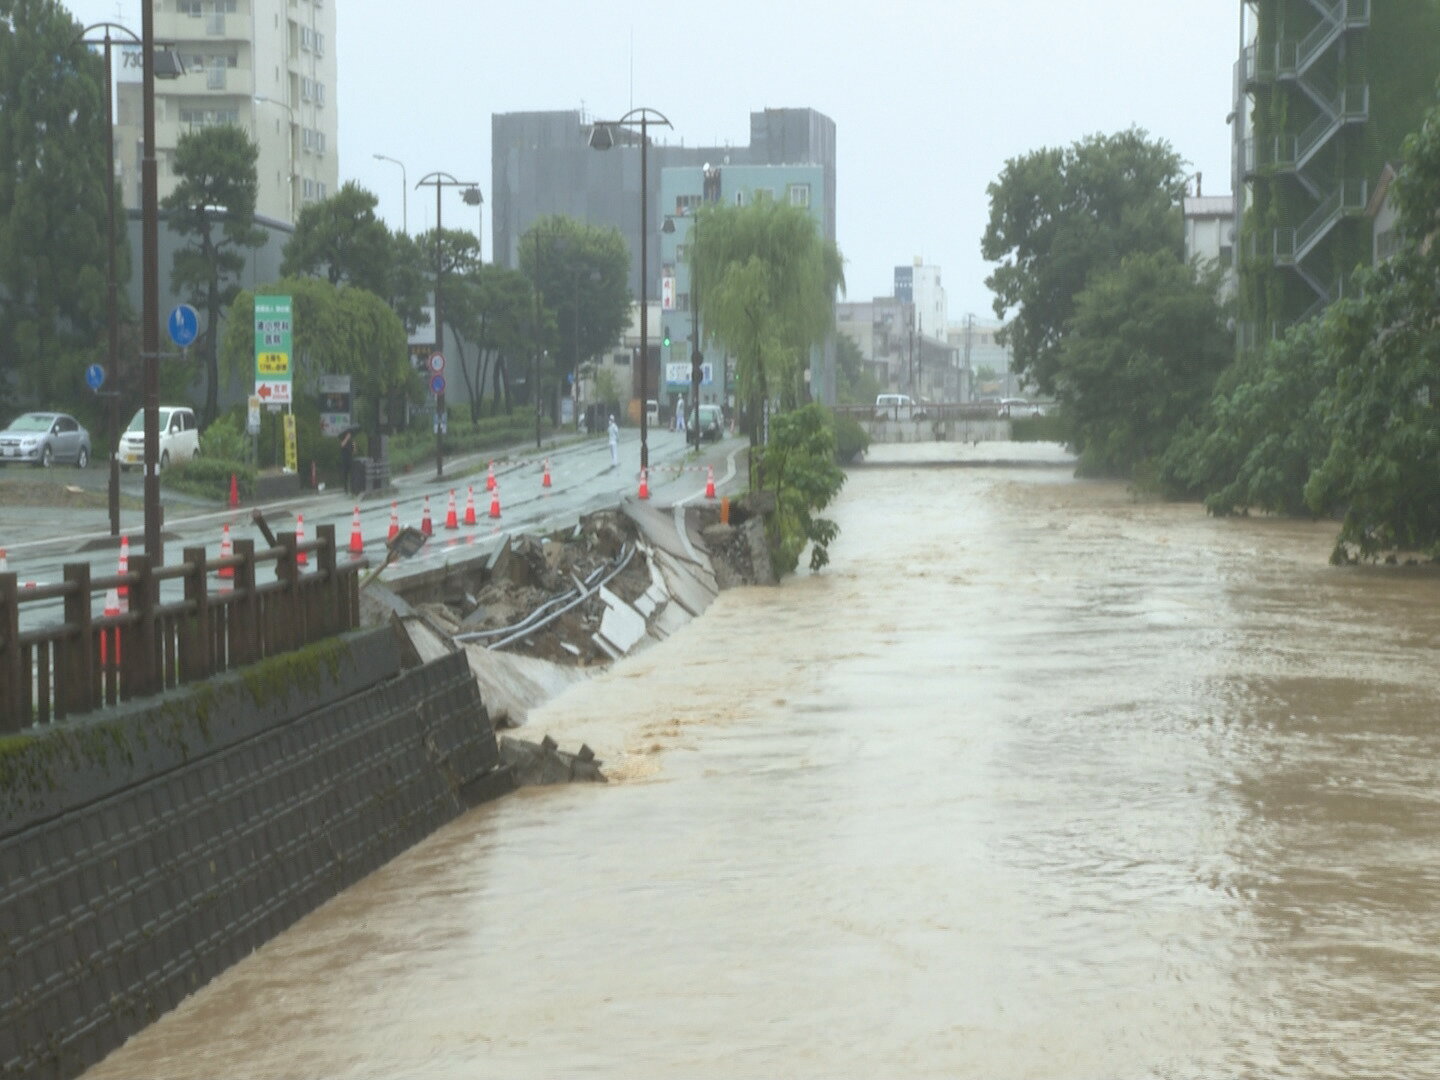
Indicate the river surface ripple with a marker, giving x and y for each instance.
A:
(1033, 781)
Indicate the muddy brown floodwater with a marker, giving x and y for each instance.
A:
(1034, 781)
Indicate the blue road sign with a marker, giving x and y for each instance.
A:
(94, 376)
(437, 384)
(184, 324)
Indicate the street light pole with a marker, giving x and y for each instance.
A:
(602, 137)
(440, 180)
(404, 192)
(150, 287)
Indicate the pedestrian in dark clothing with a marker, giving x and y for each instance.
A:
(347, 455)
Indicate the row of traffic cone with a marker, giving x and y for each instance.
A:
(644, 492)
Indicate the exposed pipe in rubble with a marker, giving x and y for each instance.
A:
(529, 625)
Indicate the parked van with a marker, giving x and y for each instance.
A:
(179, 438)
(652, 413)
(898, 407)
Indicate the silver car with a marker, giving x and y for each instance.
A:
(43, 438)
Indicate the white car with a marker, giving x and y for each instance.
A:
(898, 407)
(179, 438)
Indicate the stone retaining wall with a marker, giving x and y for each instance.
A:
(130, 876)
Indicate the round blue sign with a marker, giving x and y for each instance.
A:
(183, 324)
(94, 376)
(437, 384)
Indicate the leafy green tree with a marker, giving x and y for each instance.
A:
(1059, 215)
(341, 240)
(798, 467)
(1383, 462)
(489, 308)
(337, 330)
(213, 207)
(52, 203)
(1263, 433)
(767, 281)
(1139, 356)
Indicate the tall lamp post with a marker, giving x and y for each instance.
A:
(602, 137)
(404, 192)
(150, 275)
(440, 180)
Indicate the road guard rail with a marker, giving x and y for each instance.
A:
(85, 663)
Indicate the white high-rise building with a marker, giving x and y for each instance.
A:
(266, 66)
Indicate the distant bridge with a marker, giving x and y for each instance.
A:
(930, 423)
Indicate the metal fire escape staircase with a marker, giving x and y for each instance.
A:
(1300, 63)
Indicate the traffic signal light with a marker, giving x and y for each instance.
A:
(667, 340)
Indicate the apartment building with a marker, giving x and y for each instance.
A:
(266, 66)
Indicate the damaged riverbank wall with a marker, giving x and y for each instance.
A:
(143, 853)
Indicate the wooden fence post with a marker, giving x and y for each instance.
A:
(195, 644)
(324, 608)
(288, 630)
(140, 654)
(75, 671)
(10, 668)
(245, 611)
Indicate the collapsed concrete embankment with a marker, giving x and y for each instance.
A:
(543, 612)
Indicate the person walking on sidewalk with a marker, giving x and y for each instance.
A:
(614, 433)
(347, 455)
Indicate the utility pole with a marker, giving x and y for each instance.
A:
(440, 180)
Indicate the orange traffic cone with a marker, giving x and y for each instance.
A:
(452, 520)
(4, 563)
(234, 492)
(545, 476)
(495, 503)
(425, 527)
(469, 505)
(709, 481)
(490, 478)
(112, 607)
(301, 558)
(124, 567)
(644, 483)
(226, 550)
(394, 522)
(357, 542)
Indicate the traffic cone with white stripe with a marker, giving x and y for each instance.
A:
(709, 481)
(469, 505)
(426, 529)
(490, 478)
(124, 566)
(357, 542)
(301, 558)
(644, 483)
(226, 550)
(4, 563)
(452, 520)
(545, 476)
(495, 502)
(394, 522)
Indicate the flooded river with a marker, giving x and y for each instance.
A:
(1034, 781)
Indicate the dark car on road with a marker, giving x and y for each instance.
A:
(712, 422)
(43, 438)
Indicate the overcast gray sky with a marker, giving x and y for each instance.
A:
(929, 97)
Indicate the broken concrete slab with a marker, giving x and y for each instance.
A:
(533, 764)
(512, 685)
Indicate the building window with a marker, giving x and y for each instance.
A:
(763, 193)
(684, 204)
(190, 7)
(739, 198)
(319, 42)
(621, 359)
(799, 194)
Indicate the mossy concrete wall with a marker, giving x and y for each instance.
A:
(144, 852)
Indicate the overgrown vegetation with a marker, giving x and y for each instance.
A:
(798, 467)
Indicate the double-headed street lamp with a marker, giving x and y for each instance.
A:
(602, 137)
(440, 180)
(697, 354)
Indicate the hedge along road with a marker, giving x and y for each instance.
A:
(39, 541)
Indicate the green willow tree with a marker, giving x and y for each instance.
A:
(799, 469)
(1057, 216)
(52, 204)
(212, 208)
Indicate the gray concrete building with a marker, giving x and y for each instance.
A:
(542, 163)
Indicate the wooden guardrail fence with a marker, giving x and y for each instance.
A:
(86, 662)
